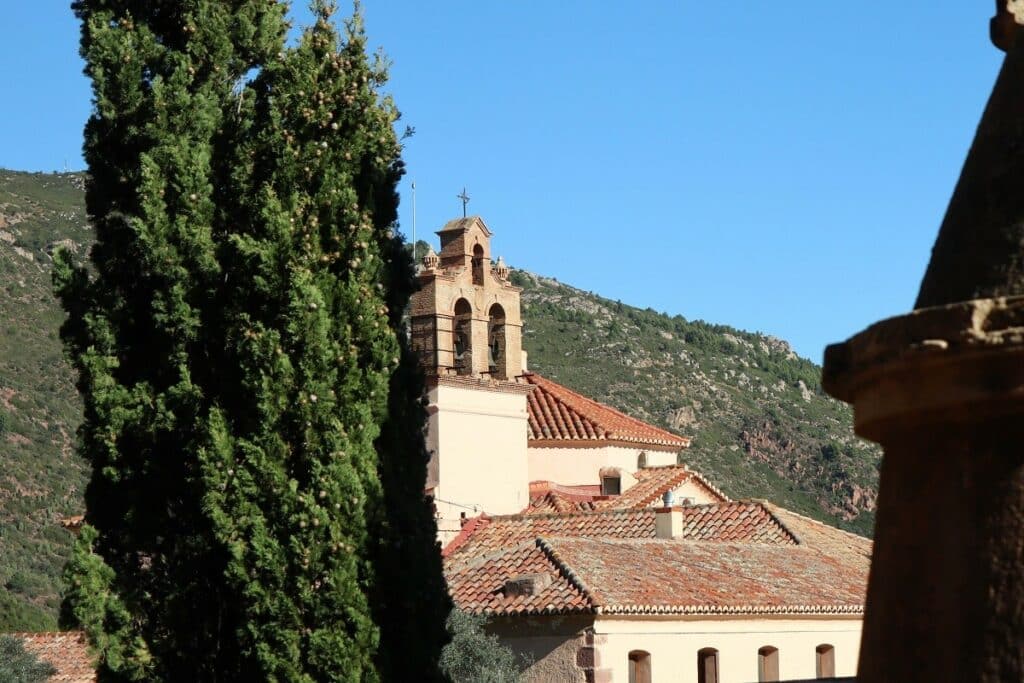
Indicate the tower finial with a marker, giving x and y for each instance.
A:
(465, 200)
(1004, 25)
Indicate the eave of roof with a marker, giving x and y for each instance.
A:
(561, 417)
(694, 579)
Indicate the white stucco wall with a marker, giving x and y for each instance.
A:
(673, 645)
(576, 466)
(478, 441)
(699, 494)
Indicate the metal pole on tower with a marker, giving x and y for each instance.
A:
(414, 261)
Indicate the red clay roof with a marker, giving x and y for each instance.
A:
(653, 576)
(67, 651)
(652, 483)
(731, 558)
(479, 586)
(743, 521)
(547, 497)
(559, 414)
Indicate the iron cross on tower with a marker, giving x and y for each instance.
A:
(465, 200)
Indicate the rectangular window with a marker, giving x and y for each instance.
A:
(610, 486)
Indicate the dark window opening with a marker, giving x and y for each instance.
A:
(768, 663)
(825, 661)
(707, 665)
(611, 486)
(639, 667)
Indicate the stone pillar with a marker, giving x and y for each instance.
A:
(942, 390)
(479, 327)
(512, 353)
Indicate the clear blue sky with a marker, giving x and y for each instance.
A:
(780, 167)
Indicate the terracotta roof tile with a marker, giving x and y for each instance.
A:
(548, 497)
(67, 651)
(654, 482)
(556, 413)
(820, 536)
(481, 586)
(742, 521)
(669, 576)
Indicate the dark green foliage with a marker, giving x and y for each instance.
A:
(475, 655)
(19, 666)
(252, 419)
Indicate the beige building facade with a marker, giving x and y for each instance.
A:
(675, 650)
(574, 526)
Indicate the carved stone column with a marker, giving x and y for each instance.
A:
(942, 389)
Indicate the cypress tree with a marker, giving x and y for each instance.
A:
(252, 414)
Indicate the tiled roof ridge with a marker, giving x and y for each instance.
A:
(517, 516)
(704, 481)
(567, 572)
(467, 530)
(603, 432)
(856, 537)
(681, 477)
(764, 505)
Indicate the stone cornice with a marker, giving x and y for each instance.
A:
(933, 363)
(479, 383)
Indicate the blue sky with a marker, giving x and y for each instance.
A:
(778, 167)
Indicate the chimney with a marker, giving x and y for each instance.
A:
(668, 522)
(526, 585)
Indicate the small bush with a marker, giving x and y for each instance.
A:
(19, 666)
(475, 656)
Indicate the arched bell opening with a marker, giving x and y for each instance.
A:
(462, 337)
(478, 265)
(497, 343)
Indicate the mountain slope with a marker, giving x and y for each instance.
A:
(760, 425)
(41, 480)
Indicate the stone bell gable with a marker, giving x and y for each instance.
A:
(466, 317)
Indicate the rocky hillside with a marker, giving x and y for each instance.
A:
(760, 425)
(40, 478)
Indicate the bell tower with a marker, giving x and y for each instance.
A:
(466, 329)
(465, 317)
